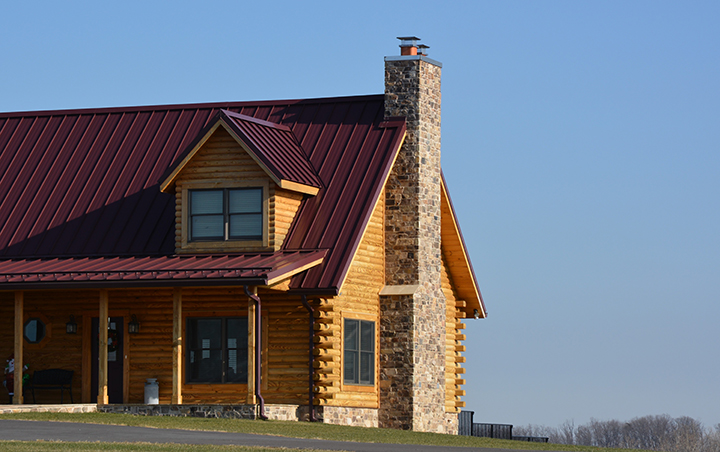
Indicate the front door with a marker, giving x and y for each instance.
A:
(115, 359)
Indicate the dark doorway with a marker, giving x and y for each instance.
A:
(115, 360)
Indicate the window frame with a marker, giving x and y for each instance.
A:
(224, 360)
(221, 245)
(358, 382)
(226, 214)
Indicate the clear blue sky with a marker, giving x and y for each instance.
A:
(580, 144)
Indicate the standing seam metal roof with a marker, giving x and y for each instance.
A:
(86, 183)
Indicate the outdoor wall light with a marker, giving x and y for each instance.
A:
(71, 326)
(476, 314)
(134, 325)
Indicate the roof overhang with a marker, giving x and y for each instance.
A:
(457, 257)
(257, 269)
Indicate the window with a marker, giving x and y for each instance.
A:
(226, 214)
(359, 352)
(34, 331)
(217, 350)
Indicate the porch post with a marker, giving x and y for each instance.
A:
(251, 399)
(103, 349)
(18, 388)
(177, 347)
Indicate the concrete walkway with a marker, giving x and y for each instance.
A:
(73, 432)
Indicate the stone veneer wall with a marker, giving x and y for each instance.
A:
(358, 417)
(412, 325)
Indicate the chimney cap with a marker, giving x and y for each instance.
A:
(408, 41)
(422, 49)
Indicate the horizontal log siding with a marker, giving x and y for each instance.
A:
(453, 358)
(221, 158)
(359, 297)
(284, 205)
(150, 351)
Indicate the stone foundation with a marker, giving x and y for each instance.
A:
(358, 417)
(70, 408)
(207, 411)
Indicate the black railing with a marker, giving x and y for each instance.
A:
(467, 427)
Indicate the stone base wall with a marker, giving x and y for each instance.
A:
(207, 411)
(70, 408)
(358, 417)
(279, 412)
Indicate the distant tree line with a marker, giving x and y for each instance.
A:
(664, 433)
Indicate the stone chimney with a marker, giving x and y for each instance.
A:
(412, 304)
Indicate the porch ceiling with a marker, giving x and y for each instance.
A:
(156, 271)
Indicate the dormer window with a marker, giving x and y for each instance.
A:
(226, 214)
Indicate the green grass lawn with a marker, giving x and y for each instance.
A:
(49, 446)
(289, 429)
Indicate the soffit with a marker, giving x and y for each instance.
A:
(457, 257)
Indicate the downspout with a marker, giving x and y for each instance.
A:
(311, 384)
(258, 351)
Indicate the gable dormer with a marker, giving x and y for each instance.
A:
(239, 186)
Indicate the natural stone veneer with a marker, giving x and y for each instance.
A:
(412, 322)
(359, 417)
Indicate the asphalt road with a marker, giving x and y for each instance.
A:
(73, 432)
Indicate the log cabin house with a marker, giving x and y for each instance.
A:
(282, 259)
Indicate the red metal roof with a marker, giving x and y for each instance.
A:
(255, 269)
(273, 145)
(86, 183)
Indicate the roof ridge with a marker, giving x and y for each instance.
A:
(188, 106)
(261, 122)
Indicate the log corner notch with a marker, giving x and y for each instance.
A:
(257, 358)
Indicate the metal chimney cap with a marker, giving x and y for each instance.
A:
(409, 41)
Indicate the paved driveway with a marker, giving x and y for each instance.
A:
(67, 431)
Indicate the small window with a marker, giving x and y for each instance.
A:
(217, 350)
(34, 331)
(359, 353)
(226, 214)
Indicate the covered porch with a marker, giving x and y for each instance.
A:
(53, 318)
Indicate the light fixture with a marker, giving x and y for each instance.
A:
(476, 314)
(71, 326)
(134, 325)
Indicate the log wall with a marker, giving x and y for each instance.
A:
(285, 339)
(358, 299)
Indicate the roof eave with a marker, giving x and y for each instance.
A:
(475, 290)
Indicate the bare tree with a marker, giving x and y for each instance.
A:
(662, 433)
(567, 432)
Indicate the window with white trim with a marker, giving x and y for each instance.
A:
(359, 352)
(226, 214)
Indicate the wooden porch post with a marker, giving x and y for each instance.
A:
(251, 398)
(177, 347)
(18, 388)
(103, 349)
